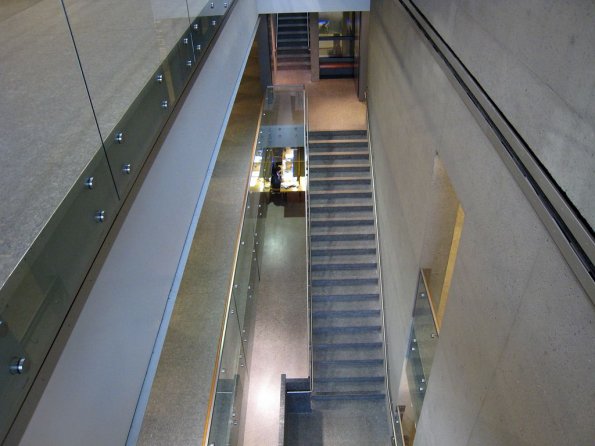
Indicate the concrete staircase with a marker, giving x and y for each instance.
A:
(293, 52)
(347, 327)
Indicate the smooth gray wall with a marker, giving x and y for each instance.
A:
(514, 360)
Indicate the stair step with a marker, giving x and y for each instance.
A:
(328, 252)
(286, 54)
(355, 305)
(290, 58)
(299, 31)
(344, 281)
(342, 237)
(350, 386)
(364, 273)
(347, 396)
(316, 146)
(352, 329)
(342, 134)
(351, 193)
(338, 221)
(290, 26)
(352, 154)
(342, 363)
(345, 314)
(335, 266)
(345, 297)
(317, 208)
(293, 67)
(364, 290)
(367, 318)
(347, 345)
(320, 182)
(369, 242)
(297, 40)
(331, 256)
(354, 354)
(298, 61)
(328, 168)
(337, 336)
(292, 21)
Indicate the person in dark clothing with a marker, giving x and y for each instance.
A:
(276, 178)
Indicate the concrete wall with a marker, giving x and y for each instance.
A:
(93, 392)
(514, 359)
(535, 59)
(438, 234)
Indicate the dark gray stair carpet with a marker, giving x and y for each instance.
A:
(347, 341)
(293, 52)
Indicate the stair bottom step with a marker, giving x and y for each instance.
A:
(347, 396)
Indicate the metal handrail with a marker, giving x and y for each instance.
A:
(425, 282)
(380, 289)
(308, 247)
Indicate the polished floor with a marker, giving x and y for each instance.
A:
(281, 329)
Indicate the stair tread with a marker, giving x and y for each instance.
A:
(348, 206)
(345, 297)
(339, 154)
(325, 314)
(337, 218)
(342, 230)
(338, 166)
(347, 345)
(335, 143)
(333, 133)
(344, 266)
(348, 395)
(349, 362)
(339, 191)
(338, 179)
(328, 379)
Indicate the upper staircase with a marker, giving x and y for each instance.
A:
(347, 331)
(293, 43)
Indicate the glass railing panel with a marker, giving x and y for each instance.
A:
(40, 292)
(230, 384)
(60, 119)
(425, 329)
(423, 341)
(121, 45)
(48, 131)
(246, 269)
(415, 375)
(129, 144)
(262, 199)
(282, 123)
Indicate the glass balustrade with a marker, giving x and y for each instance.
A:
(279, 145)
(423, 340)
(87, 87)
